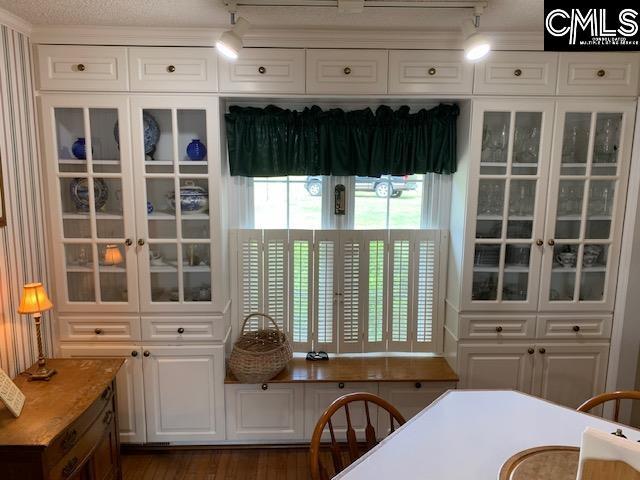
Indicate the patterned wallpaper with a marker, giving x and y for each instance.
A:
(22, 241)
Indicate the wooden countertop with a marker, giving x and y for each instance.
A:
(365, 369)
(51, 406)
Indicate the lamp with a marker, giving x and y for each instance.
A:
(476, 45)
(35, 300)
(113, 255)
(230, 42)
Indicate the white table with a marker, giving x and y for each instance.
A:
(468, 435)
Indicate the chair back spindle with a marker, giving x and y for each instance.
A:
(609, 396)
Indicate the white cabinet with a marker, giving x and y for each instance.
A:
(131, 421)
(273, 411)
(574, 326)
(433, 71)
(260, 70)
(82, 68)
(177, 69)
(183, 328)
(496, 327)
(517, 73)
(99, 328)
(496, 366)
(593, 73)
(184, 400)
(318, 396)
(345, 72)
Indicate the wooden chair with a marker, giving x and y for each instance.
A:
(318, 471)
(606, 397)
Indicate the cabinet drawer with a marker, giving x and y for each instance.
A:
(517, 73)
(610, 74)
(575, 326)
(264, 412)
(264, 70)
(495, 327)
(347, 71)
(102, 329)
(318, 396)
(183, 328)
(173, 69)
(429, 72)
(78, 68)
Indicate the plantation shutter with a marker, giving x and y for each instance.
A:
(350, 292)
(326, 277)
(301, 289)
(401, 264)
(375, 276)
(250, 298)
(276, 268)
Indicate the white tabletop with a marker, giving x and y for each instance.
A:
(468, 435)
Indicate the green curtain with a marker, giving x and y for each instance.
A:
(273, 142)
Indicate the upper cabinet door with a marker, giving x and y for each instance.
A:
(607, 74)
(347, 71)
(82, 68)
(260, 70)
(412, 71)
(517, 73)
(176, 158)
(178, 69)
(585, 208)
(88, 165)
(510, 159)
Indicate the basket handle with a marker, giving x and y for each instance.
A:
(257, 314)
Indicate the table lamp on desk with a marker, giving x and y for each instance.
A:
(35, 300)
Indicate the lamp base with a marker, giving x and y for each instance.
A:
(42, 373)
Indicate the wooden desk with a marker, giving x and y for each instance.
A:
(68, 427)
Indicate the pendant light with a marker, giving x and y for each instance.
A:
(230, 42)
(476, 45)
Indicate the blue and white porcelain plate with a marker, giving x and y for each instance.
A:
(151, 133)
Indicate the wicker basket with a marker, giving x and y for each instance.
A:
(259, 356)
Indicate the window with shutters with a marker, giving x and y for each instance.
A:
(345, 291)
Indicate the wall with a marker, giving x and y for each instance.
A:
(22, 257)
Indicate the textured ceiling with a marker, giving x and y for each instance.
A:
(501, 15)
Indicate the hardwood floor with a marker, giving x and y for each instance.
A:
(217, 464)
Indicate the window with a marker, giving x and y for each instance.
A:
(287, 202)
(344, 291)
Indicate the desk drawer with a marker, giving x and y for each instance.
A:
(175, 69)
(347, 71)
(80, 68)
(100, 329)
(574, 326)
(517, 73)
(496, 327)
(429, 72)
(183, 328)
(610, 74)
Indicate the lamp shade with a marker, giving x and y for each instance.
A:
(34, 299)
(113, 255)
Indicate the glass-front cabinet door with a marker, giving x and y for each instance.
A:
(176, 160)
(508, 179)
(590, 163)
(90, 192)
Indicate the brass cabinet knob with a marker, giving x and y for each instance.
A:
(180, 330)
(264, 386)
(262, 70)
(432, 71)
(98, 331)
(517, 72)
(146, 353)
(341, 385)
(107, 393)
(81, 67)
(141, 241)
(70, 467)
(171, 68)
(576, 328)
(551, 242)
(107, 417)
(498, 329)
(601, 73)
(128, 242)
(539, 242)
(134, 353)
(542, 350)
(530, 351)
(347, 70)
(418, 385)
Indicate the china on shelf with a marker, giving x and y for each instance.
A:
(193, 199)
(567, 259)
(196, 150)
(156, 259)
(79, 191)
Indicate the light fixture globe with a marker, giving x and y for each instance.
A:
(230, 42)
(476, 47)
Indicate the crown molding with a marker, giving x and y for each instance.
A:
(278, 38)
(15, 22)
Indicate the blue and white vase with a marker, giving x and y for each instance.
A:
(149, 208)
(196, 150)
(79, 149)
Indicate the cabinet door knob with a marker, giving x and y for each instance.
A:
(146, 353)
(601, 73)
(128, 242)
(171, 68)
(70, 467)
(539, 242)
(542, 350)
(432, 71)
(576, 328)
(262, 70)
(418, 385)
(517, 72)
(134, 353)
(551, 242)
(141, 241)
(341, 385)
(98, 331)
(498, 329)
(107, 417)
(81, 67)
(347, 70)
(181, 330)
(530, 351)
(264, 386)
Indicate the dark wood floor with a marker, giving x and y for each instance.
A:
(217, 464)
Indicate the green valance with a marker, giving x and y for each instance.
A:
(273, 142)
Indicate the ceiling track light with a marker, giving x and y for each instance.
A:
(476, 45)
(230, 42)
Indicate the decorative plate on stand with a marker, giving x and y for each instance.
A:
(151, 133)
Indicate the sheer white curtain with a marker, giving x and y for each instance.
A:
(240, 202)
(436, 201)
